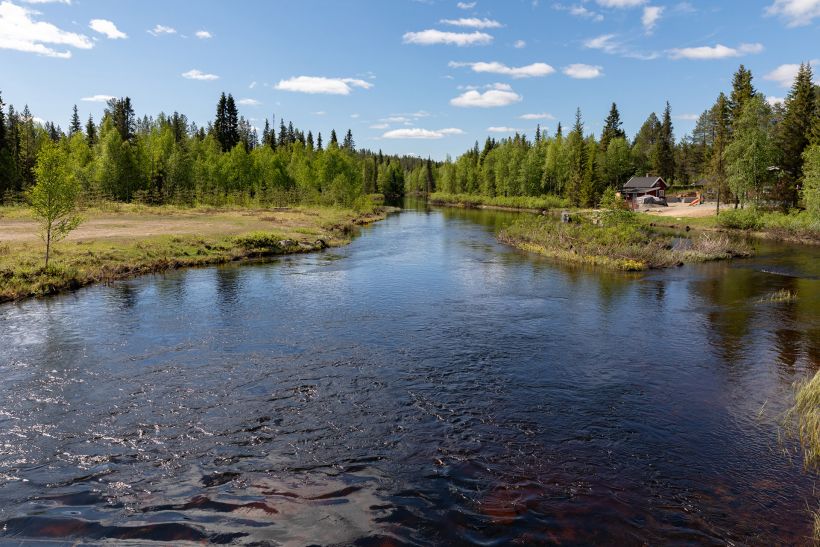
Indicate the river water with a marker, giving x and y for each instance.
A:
(423, 385)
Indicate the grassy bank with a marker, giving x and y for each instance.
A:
(797, 227)
(500, 202)
(119, 240)
(616, 240)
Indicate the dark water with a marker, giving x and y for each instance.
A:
(423, 385)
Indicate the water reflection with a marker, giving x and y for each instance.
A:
(422, 385)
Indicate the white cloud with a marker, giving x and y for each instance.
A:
(98, 98)
(541, 116)
(472, 22)
(162, 29)
(718, 51)
(578, 10)
(195, 74)
(497, 95)
(396, 119)
(529, 71)
(580, 71)
(502, 129)
(320, 113)
(796, 13)
(203, 34)
(466, 5)
(108, 28)
(772, 100)
(67, 2)
(621, 3)
(320, 84)
(650, 18)
(20, 32)
(520, 44)
(249, 102)
(609, 44)
(687, 117)
(253, 85)
(418, 133)
(461, 39)
(784, 75)
(380, 126)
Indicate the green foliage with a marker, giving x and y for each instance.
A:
(741, 219)
(811, 180)
(752, 151)
(513, 202)
(54, 197)
(260, 241)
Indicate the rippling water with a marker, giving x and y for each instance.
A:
(422, 385)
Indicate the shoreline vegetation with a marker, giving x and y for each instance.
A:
(119, 241)
(615, 239)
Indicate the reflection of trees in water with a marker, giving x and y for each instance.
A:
(125, 295)
(227, 287)
(173, 287)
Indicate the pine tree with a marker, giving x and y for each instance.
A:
(283, 134)
(348, 143)
(717, 168)
(796, 128)
(291, 133)
(334, 141)
(612, 128)
(742, 92)
(310, 141)
(74, 126)
(430, 184)
(559, 132)
(666, 147)
(319, 141)
(221, 121)
(90, 131)
(121, 113)
(232, 136)
(577, 151)
(538, 134)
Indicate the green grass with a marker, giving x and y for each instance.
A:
(616, 241)
(803, 420)
(797, 225)
(511, 202)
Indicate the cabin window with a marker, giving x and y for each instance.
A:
(660, 193)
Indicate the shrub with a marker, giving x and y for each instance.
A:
(259, 241)
(741, 219)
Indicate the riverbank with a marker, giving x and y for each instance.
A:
(524, 204)
(618, 241)
(118, 241)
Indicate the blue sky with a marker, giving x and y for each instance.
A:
(426, 77)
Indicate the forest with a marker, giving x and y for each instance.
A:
(743, 150)
(167, 160)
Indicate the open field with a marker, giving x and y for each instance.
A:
(119, 241)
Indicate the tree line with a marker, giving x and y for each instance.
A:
(168, 159)
(743, 150)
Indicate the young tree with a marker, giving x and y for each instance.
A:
(54, 196)
(751, 152)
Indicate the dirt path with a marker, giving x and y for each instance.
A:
(681, 210)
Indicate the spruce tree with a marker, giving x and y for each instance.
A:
(232, 136)
(90, 131)
(221, 121)
(559, 132)
(334, 141)
(291, 133)
(319, 141)
(742, 92)
(717, 167)
(796, 129)
(74, 126)
(538, 134)
(348, 143)
(666, 147)
(612, 127)
(283, 135)
(310, 140)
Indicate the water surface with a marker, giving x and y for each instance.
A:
(422, 385)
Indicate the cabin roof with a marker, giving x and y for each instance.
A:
(643, 182)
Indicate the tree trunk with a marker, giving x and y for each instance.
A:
(48, 245)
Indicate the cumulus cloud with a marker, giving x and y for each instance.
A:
(529, 71)
(21, 32)
(784, 75)
(502, 129)
(108, 28)
(497, 95)
(322, 85)
(162, 29)
(195, 74)
(203, 34)
(419, 133)
(773, 101)
(466, 5)
(650, 18)
(718, 51)
(472, 22)
(796, 13)
(249, 102)
(431, 37)
(580, 71)
(98, 98)
(540, 116)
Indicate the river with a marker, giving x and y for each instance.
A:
(423, 385)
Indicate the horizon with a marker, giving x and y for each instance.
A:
(423, 78)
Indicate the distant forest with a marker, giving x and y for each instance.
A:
(744, 149)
